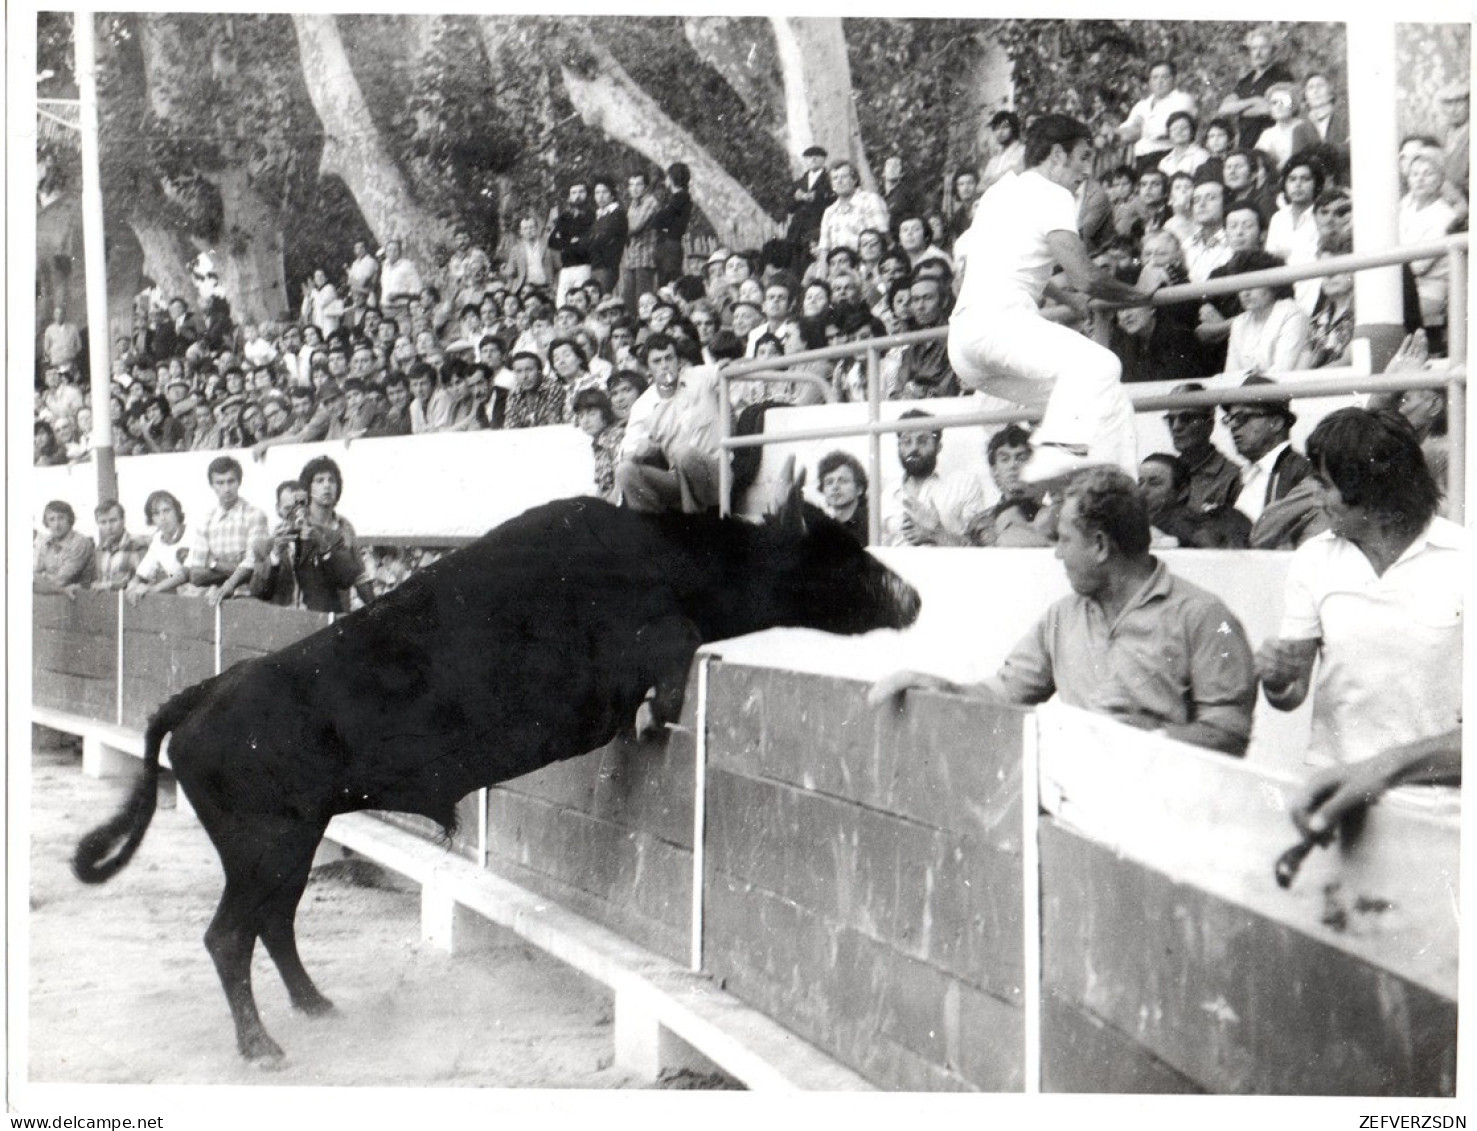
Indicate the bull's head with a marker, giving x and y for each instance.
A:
(820, 578)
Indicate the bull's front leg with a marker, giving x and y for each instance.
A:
(664, 651)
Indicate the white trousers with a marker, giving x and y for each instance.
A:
(1013, 353)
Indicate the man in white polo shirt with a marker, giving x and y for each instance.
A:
(1025, 227)
(1377, 600)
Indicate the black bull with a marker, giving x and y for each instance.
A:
(538, 642)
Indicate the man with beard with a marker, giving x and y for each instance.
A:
(1131, 641)
(927, 508)
(569, 235)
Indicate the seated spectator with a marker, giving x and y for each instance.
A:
(48, 453)
(594, 417)
(62, 397)
(1330, 119)
(1184, 155)
(673, 462)
(916, 242)
(625, 387)
(63, 559)
(1425, 216)
(1181, 204)
(220, 556)
(1153, 199)
(1288, 135)
(1015, 520)
(928, 508)
(1219, 136)
(1132, 641)
(1275, 495)
(843, 484)
(1158, 343)
(1239, 173)
(162, 569)
(396, 418)
(1293, 230)
(1215, 481)
(924, 369)
(1423, 409)
(1270, 335)
(1331, 329)
(1377, 600)
(1165, 482)
(538, 398)
(1128, 209)
(80, 448)
(118, 552)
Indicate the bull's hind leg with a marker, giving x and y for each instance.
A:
(230, 939)
(291, 860)
(266, 864)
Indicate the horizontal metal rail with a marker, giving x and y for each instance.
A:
(1290, 386)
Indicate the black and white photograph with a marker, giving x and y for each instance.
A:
(855, 639)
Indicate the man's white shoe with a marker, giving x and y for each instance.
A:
(1051, 463)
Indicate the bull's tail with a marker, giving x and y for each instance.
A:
(102, 853)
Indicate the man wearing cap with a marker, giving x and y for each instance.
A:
(1214, 480)
(1024, 228)
(1455, 103)
(811, 197)
(1261, 432)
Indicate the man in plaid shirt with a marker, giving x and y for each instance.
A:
(221, 556)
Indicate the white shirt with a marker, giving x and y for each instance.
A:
(1295, 238)
(1010, 260)
(1390, 657)
(1254, 479)
(1152, 116)
(958, 498)
(1276, 344)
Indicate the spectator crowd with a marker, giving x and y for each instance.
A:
(587, 315)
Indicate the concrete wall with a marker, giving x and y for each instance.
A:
(405, 488)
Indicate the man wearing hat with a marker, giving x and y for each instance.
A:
(1456, 104)
(808, 203)
(1261, 432)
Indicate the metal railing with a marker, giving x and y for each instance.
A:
(1289, 386)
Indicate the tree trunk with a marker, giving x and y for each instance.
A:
(818, 95)
(249, 254)
(167, 255)
(352, 150)
(728, 45)
(610, 100)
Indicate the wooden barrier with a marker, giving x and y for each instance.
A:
(864, 875)
(863, 885)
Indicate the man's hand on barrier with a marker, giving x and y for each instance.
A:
(891, 688)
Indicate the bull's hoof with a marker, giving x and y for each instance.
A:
(319, 1006)
(260, 1051)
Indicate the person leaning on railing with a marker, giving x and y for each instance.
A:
(1377, 602)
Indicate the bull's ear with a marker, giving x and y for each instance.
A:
(791, 514)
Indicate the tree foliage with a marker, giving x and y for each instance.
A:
(473, 114)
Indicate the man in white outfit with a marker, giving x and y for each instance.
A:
(1025, 227)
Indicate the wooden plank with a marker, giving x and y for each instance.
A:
(255, 627)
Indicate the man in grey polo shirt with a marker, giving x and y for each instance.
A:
(1132, 640)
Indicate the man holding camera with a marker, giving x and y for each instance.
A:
(310, 561)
